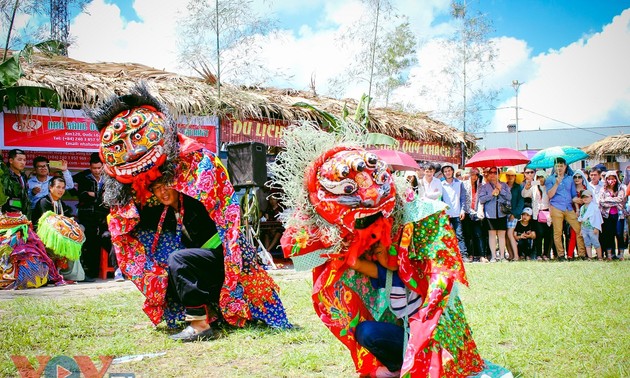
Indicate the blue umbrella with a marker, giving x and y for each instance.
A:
(547, 158)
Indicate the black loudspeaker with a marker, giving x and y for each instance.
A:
(247, 164)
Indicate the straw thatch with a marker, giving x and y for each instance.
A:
(83, 84)
(618, 145)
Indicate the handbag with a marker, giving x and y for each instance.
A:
(506, 208)
(543, 216)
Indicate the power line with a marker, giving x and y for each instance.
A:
(565, 123)
(538, 114)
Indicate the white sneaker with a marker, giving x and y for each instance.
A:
(483, 260)
(118, 276)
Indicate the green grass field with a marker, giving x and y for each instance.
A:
(537, 319)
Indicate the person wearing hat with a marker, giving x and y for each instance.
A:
(517, 203)
(454, 195)
(591, 222)
(611, 202)
(561, 190)
(525, 234)
(492, 196)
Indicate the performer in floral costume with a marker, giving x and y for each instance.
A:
(140, 147)
(371, 250)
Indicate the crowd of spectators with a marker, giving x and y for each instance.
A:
(41, 190)
(505, 215)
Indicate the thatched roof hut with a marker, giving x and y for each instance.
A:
(616, 145)
(83, 84)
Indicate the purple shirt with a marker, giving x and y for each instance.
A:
(563, 199)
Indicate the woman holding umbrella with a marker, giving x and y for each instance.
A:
(492, 195)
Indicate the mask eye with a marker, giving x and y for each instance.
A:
(118, 125)
(381, 177)
(342, 170)
(137, 136)
(343, 187)
(107, 136)
(117, 148)
(350, 188)
(135, 120)
(371, 159)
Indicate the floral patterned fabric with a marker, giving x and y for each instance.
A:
(248, 292)
(31, 265)
(440, 342)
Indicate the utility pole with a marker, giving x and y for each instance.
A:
(216, 4)
(516, 84)
(378, 13)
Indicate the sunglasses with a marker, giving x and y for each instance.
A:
(493, 172)
(529, 172)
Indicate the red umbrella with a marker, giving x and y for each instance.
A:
(396, 159)
(497, 157)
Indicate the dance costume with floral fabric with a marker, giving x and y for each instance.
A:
(353, 191)
(248, 292)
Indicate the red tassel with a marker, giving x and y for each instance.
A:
(141, 184)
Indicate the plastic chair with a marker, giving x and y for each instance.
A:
(105, 267)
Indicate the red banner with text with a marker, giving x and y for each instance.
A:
(433, 151)
(268, 131)
(70, 131)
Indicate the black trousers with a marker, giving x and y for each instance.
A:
(91, 250)
(195, 278)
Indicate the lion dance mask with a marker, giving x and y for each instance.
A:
(139, 144)
(348, 201)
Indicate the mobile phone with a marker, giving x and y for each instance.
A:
(55, 164)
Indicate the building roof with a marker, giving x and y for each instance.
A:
(80, 84)
(539, 139)
(618, 145)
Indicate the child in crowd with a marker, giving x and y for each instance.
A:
(591, 220)
(525, 233)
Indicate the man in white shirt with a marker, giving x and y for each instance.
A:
(454, 195)
(432, 187)
(38, 183)
(596, 185)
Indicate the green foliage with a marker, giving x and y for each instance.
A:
(472, 61)
(331, 123)
(396, 55)
(10, 72)
(49, 48)
(4, 182)
(13, 96)
(361, 118)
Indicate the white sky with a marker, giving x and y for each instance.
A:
(584, 84)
